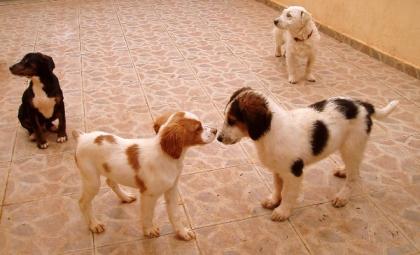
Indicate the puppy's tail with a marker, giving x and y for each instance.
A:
(384, 112)
(76, 134)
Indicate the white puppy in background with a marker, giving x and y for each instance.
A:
(296, 35)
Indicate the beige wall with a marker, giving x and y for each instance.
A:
(390, 26)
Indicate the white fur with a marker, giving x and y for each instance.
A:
(296, 22)
(158, 171)
(289, 139)
(41, 101)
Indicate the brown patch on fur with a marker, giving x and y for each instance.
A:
(250, 109)
(179, 133)
(140, 184)
(160, 121)
(109, 138)
(106, 167)
(133, 153)
(340, 174)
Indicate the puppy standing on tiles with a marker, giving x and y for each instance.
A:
(42, 101)
(296, 36)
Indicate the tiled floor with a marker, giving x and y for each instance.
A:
(123, 62)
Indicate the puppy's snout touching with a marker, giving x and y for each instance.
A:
(276, 22)
(213, 131)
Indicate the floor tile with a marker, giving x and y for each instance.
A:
(41, 176)
(4, 173)
(25, 148)
(257, 235)
(39, 227)
(7, 141)
(123, 222)
(356, 228)
(162, 245)
(223, 195)
(161, 92)
(401, 205)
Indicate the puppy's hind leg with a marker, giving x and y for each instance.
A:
(125, 197)
(174, 215)
(90, 188)
(311, 59)
(352, 155)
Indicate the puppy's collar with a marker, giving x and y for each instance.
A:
(301, 40)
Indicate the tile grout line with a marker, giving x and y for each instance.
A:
(302, 240)
(92, 239)
(81, 69)
(115, 5)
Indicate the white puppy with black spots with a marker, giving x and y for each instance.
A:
(286, 141)
(296, 36)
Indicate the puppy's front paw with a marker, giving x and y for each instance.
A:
(270, 202)
(310, 78)
(151, 232)
(292, 80)
(280, 214)
(97, 227)
(185, 234)
(43, 145)
(32, 137)
(61, 139)
(129, 198)
(340, 201)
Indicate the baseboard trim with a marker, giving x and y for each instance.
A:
(368, 50)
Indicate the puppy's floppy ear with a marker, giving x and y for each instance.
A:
(49, 61)
(305, 16)
(256, 115)
(160, 121)
(172, 140)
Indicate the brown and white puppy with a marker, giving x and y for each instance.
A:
(286, 141)
(153, 165)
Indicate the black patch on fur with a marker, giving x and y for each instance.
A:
(319, 106)
(319, 137)
(370, 109)
(347, 107)
(297, 167)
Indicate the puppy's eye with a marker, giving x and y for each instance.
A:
(231, 122)
(288, 15)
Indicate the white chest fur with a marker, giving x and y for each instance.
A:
(41, 101)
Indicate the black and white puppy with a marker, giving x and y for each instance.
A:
(42, 101)
(286, 141)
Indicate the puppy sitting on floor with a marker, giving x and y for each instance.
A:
(153, 165)
(42, 101)
(287, 141)
(296, 36)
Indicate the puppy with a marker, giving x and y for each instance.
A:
(287, 141)
(153, 165)
(296, 36)
(42, 101)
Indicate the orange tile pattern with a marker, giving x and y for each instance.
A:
(123, 62)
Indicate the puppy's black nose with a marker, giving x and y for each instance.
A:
(276, 22)
(219, 138)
